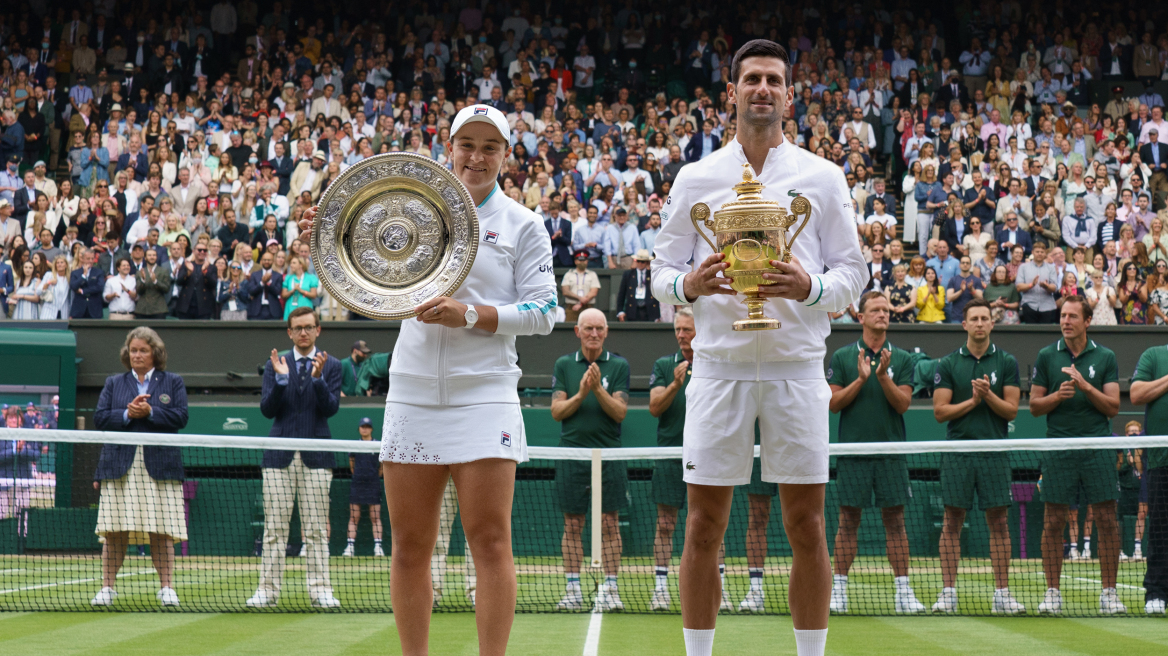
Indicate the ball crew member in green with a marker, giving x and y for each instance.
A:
(1076, 385)
(591, 396)
(1149, 385)
(976, 391)
(871, 388)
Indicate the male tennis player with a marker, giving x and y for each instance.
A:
(1076, 385)
(774, 376)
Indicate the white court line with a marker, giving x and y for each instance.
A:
(592, 642)
(9, 571)
(73, 582)
(1097, 581)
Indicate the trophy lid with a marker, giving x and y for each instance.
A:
(749, 195)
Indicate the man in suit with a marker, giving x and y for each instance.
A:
(7, 284)
(634, 301)
(87, 283)
(1014, 202)
(878, 191)
(702, 144)
(1155, 155)
(107, 262)
(952, 90)
(560, 231)
(37, 71)
(301, 390)
(308, 176)
(1011, 235)
(282, 166)
(186, 192)
(880, 270)
(264, 285)
(328, 105)
(699, 63)
(135, 160)
(1034, 182)
(24, 199)
(196, 280)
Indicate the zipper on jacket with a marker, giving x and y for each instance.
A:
(442, 396)
(757, 357)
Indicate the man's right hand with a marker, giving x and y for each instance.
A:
(279, 364)
(306, 218)
(705, 281)
(679, 373)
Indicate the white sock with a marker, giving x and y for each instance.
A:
(810, 642)
(573, 582)
(902, 584)
(722, 573)
(1138, 545)
(755, 579)
(1001, 591)
(662, 578)
(610, 581)
(840, 580)
(699, 642)
(949, 591)
(351, 542)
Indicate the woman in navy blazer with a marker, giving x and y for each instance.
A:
(141, 486)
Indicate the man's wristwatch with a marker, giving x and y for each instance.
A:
(471, 316)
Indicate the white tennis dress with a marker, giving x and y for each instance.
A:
(453, 391)
(775, 376)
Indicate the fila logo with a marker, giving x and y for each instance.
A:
(505, 438)
(491, 237)
(480, 111)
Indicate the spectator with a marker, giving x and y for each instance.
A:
(141, 487)
(265, 290)
(300, 286)
(232, 294)
(1002, 296)
(961, 289)
(1038, 282)
(931, 299)
(945, 266)
(121, 292)
(1011, 235)
(152, 284)
(1132, 295)
(634, 301)
(621, 241)
(196, 280)
(86, 282)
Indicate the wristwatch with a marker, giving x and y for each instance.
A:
(471, 316)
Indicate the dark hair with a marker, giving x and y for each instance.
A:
(976, 303)
(301, 311)
(1083, 307)
(867, 296)
(760, 48)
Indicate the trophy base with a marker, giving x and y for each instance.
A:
(764, 323)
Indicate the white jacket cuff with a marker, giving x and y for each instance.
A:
(528, 318)
(815, 298)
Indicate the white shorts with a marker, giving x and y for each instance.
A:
(450, 434)
(719, 430)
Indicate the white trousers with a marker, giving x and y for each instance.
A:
(282, 487)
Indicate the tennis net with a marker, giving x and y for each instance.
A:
(51, 553)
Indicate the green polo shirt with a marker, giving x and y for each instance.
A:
(1153, 366)
(671, 424)
(375, 366)
(591, 427)
(957, 372)
(870, 418)
(1076, 417)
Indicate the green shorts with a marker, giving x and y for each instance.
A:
(859, 478)
(668, 487)
(574, 486)
(1088, 477)
(757, 485)
(988, 474)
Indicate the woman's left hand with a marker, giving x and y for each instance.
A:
(443, 311)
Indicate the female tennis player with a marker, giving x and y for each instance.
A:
(453, 406)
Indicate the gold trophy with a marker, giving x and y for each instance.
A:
(752, 231)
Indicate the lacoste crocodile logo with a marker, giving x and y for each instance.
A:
(690, 466)
(793, 194)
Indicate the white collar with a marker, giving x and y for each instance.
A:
(296, 354)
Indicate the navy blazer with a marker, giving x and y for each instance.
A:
(168, 400)
(1024, 241)
(693, 149)
(87, 301)
(17, 463)
(139, 167)
(256, 291)
(561, 247)
(301, 409)
(7, 285)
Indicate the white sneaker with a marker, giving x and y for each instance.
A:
(1109, 603)
(660, 600)
(326, 600)
(1155, 607)
(437, 599)
(1006, 604)
(167, 597)
(1138, 555)
(754, 602)
(302, 552)
(261, 600)
(1074, 554)
(573, 599)
(608, 599)
(378, 552)
(348, 552)
(727, 604)
(946, 601)
(906, 602)
(105, 597)
(1052, 603)
(1086, 555)
(839, 598)
(1123, 557)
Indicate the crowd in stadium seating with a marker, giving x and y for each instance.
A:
(200, 134)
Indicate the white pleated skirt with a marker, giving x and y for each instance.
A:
(139, 505)
(445, 435)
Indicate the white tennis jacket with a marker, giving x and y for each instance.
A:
(828, 249)
(435, 365)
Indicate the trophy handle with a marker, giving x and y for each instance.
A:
(700, 213)
(799, 207)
